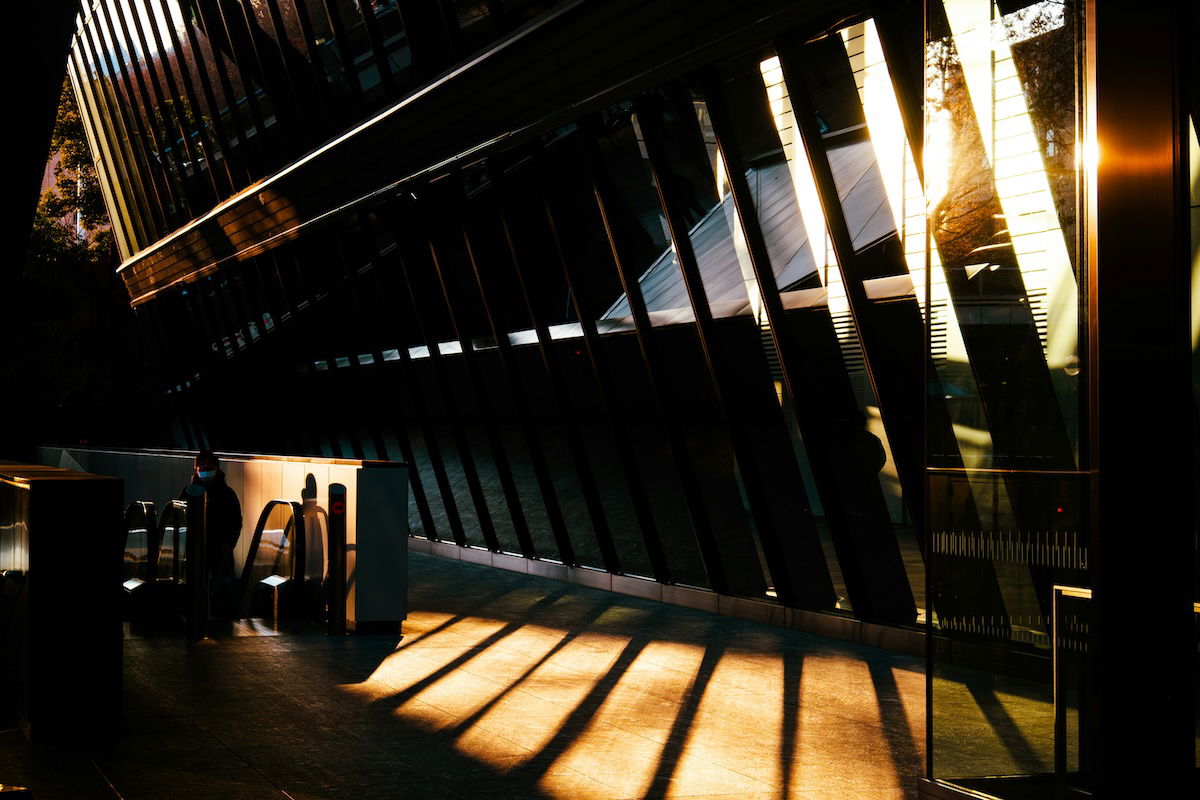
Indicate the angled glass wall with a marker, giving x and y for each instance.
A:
(193, 101)
(800, 319)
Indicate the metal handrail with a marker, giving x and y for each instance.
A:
(153, 534)
(173, 513)
(298, 550)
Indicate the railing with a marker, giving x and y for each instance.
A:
(298, 548)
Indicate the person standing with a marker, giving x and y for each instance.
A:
(223, 520)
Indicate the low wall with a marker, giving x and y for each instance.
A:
(376, 518)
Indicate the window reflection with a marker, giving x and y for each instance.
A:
(1002, 181)
(996, 223)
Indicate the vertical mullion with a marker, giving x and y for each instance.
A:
(256, 117)
(349, 296)
(998, 378)
(287, 327)
(541, 472)
(386, 391)
(346, 55)
(450, 22)
(209, 98)
(151, 79)
(314, 61)
(137, 144)
(676, 437)
(889, 18)
(209, 367)
(419, 408)
(163, 360)
(169, 81)
(562, 399)
(801, 579)
(1139, 284)
(606, 386)
(242, 60)
(263, 371)
(189, 91)
(106, 140)
(347, 390)
(303, 116)
(884, 596)
(461, 441)
(172, 182)
(381, 62)
(487, 417)
(805, 116)
(423, 37)
(981, 590)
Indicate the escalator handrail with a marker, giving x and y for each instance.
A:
(150, 520)
(178, 507)
(298, 550)
(316, 509)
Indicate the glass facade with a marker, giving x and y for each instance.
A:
(192, 102)
(1003, 185)
(805, 316)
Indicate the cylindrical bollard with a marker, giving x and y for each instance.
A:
(197, 562)
(336, 625)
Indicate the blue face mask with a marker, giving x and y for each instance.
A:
(207, 474)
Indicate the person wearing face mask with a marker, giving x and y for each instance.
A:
(224, 520)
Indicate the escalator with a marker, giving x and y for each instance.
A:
(155, 561)
(285, 574)
(285, 569)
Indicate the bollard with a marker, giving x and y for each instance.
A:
(197, 567)
(336, 625)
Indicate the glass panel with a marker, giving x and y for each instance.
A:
(791, 215)
(993, 701)
(638, 226)
(997, 222)
(275, 551)
(100, 96)
(1007, 522)
(476, 21)
(585, 245)
(395, 39)
(138, 531)
(542, 272)
(694, 181)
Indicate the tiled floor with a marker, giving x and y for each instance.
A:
(504, 686)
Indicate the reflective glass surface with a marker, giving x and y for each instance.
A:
(1008, 504)
(188, 103)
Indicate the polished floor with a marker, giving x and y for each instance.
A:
(504, 685)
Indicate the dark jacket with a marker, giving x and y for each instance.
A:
(224, 513)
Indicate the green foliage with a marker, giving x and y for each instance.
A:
(76, 186)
